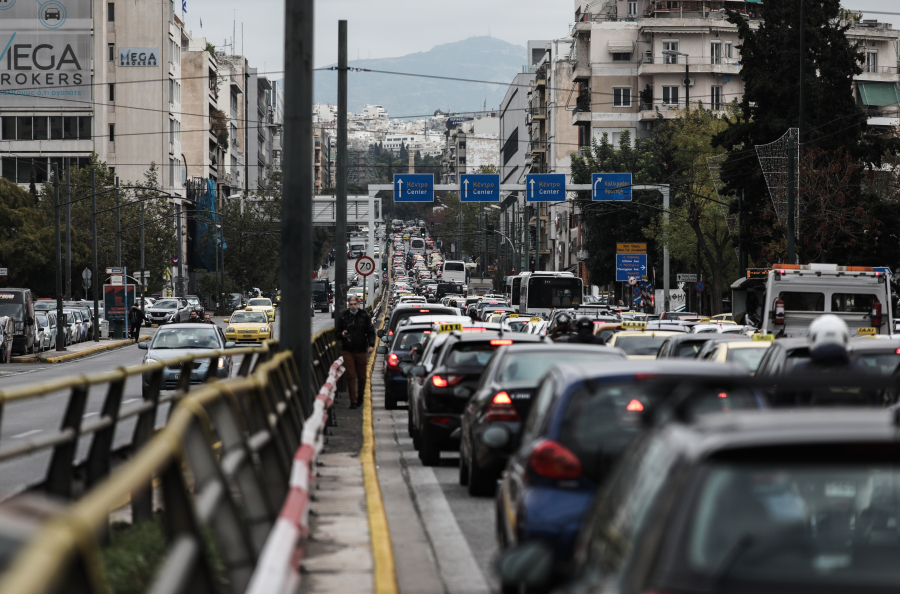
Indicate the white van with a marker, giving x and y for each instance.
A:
(417, 246)
(453, 271)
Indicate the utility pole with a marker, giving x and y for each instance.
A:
(119, 229)
(68, 228)
(527, 265)
(96, 273)
(340, 207)
(792, 148)
(60, 317)
(742, 263)
(141, 276)
(179, 292)
(299, 183)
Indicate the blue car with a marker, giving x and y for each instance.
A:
(406, 337)
(581, 418)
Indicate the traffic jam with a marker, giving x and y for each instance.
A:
(628, 452)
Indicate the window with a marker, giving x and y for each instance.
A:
(621, 96)
(8, 124)
(727, 52)
(670, 95)
(511, 146)
(670, 46)
(41, 128)
(802, 301)
(715, 98)
(621, 57)
(715, 52)
(56, 128)
(171, 169)
(171, 90)
(871, 61)
(112, 132)
(70, 128)
(84, 128)
(24, 126)
(112, 92)
(112, 52)
(111, 12)
(632, 8)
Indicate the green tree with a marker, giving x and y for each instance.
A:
(26, 241)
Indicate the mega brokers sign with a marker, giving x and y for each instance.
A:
(138, 56)
(45, 53)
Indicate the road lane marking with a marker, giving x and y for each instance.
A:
(27, 434)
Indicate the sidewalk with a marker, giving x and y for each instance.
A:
(82, 349)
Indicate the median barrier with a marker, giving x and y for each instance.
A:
(220, 472)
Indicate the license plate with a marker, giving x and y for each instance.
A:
(844, 490)
(177, 376)
(154, 325)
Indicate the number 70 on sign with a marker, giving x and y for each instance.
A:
(365, 266)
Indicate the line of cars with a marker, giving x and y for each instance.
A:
(662, 460)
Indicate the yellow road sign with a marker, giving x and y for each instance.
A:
(631, 248)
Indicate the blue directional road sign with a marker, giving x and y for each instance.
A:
(883, 270)
(628, 265)
(414, 187)
(607, 187)
(545, 187)
(484, 187)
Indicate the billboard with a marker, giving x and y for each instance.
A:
(45, 53)
(116, 302)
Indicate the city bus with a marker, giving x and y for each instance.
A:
(542, 292)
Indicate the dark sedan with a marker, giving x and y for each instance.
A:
(407, 337)
(492, 420)
(186, 339)
(581, 419)
(446, 390)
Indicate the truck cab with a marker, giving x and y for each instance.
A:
(797, 294)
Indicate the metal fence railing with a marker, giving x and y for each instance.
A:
(219, 469)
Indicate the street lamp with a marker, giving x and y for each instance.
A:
(687, 74)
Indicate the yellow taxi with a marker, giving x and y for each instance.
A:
(248, 326)
(277, 297)
(725, 317)
(261, 304)
(638, 342)
(359, 292)
(406, 237)
(747, 353)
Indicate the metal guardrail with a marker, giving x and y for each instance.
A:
(221, 467)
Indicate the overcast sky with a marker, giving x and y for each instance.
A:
(389, 28)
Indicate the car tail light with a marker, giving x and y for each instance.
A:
(501, 341)
(876, 314)
(390, 332)
(473, 329)
(501, 409)
(779, 311)
(427, 332)
(634, 406)
(554, 461)
(450, 380)
(393, 360)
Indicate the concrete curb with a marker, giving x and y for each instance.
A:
(72, 356)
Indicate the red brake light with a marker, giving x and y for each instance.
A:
(425, 310)
(723, 395)
(634, 406)
(393, 360)
(554, 461)
(501, 409)
(427, 332)
(473, 329)
(390, 332)
(501, 342)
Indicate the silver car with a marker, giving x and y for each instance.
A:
(47, 323)
(168, 311)
(72, 327)
(186, 339)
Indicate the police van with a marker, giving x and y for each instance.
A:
(797, 294)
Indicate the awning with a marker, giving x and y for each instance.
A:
(879, 94)
(621, 46)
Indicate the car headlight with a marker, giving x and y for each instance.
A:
(221, 363)
(229, 330)
(264, 331)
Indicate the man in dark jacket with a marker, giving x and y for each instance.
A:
(584, 329)
(357, 341)
(135, 321)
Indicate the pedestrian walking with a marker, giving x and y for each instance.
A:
(135, 321)
(357, 342)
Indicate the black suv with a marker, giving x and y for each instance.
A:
(447, 389)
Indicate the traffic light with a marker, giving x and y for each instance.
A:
(384, 265)
(432, 224)
(423, 232)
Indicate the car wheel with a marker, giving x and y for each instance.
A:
(390, 401)
(429, 451)
(481, 482)
(463, 470)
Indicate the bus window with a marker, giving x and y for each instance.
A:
(546, 293)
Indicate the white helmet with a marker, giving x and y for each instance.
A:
(828, 330)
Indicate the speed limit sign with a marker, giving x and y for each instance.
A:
(365, 266)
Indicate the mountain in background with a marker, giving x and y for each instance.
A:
(476, 58)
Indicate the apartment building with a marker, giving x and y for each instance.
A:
(876, 89)
(200, 144)
(233, 102)
(470, 145)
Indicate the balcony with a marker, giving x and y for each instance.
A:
(538, 146)
(698, 65)
(539, 113)
(235, 83)
(877, 74)
(883, 117)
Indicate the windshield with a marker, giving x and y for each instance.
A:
(186, 338)
(409, 338)
(166, 304)
(820, 527)
(43, 321)
(688, 349)
(259, 302)
(749, 357)
(454, 267)
(193, 301)
(639, 344)
(470, 354)
(879, 362)
(13, 310)
(249, 317)
(531, 367)
(44, 305)
(546, 293)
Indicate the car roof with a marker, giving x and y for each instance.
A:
(542, 347)
(661, 367)
(446, 319)
(868, 345)
(188, 326)
(492, 334)
(715, 432)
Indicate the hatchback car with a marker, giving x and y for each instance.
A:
(492, 420)
(581, 419)
(186, 339)
(248, 327)
(447, 388)
(781, 502)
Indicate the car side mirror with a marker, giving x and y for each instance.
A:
(143, 345)
(382, 350)
(230, 345)
(418, 371)
(462, 392)
(530, 563)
